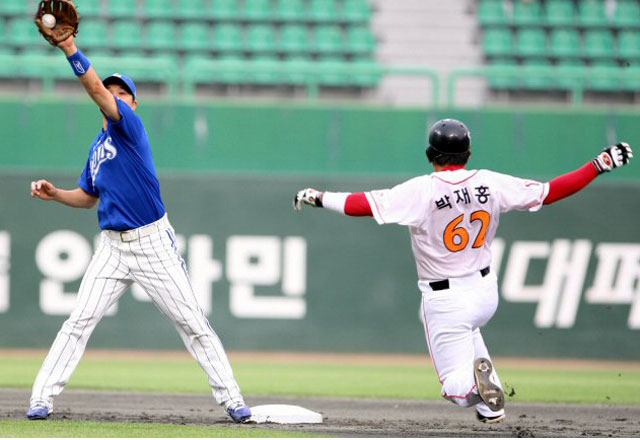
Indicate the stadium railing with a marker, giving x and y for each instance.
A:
(579, 81)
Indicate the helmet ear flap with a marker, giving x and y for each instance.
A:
(431, 154)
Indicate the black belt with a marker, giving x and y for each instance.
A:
(444, 284)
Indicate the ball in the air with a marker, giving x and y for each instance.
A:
(49, 20)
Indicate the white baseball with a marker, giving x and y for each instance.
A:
(49, 20)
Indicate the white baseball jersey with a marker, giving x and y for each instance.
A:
(453, 216)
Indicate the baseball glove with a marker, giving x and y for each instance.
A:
(66, 20)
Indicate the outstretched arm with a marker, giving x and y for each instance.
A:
(76, 198)
(355, 205)
(570, 183)
(90, 79)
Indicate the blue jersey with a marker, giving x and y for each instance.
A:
(120, 171)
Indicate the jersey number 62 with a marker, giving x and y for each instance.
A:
(456, 237)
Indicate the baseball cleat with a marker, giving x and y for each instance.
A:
(240, 413)
(38, 413)
(488, 388)
(490, 419)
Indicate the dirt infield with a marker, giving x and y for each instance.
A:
(344, 417)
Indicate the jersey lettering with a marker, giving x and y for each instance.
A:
(102, 153)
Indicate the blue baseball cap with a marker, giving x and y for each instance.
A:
(121, 80)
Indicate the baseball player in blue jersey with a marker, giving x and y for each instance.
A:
(137, 244)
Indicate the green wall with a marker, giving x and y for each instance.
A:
(227, 137)
(569, 275)
(357, 280)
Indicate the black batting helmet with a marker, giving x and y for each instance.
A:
(448, 137)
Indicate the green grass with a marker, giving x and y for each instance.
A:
(67, 428)
(349, 379)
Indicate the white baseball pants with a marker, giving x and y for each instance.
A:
(149, 257)
(452, 321)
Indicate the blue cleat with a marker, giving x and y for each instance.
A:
(38, 413)
(240, 413)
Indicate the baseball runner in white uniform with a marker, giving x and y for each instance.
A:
(137, 244)
(453, 215)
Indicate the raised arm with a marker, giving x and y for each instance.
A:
(76, 198)
(90, 79)
(570, 183)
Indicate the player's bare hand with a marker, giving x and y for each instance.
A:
(613, 157)
(44, 190)
(307, 196)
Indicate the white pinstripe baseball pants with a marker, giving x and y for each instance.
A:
(152, 261)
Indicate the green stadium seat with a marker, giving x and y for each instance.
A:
(224, 9)
(231, 69)
(504, 74)
(227, 37)
(531, 42)
(592, 13)
(89, 8)
(41, 62)
(100, 53)
(158, 8)
(527, 13)
(14, 7)
(22, 32)
(32, 63)
(365, 72)
(356, 11)
(290, 10)
(104, 61)
(261, 38)
(192, 9)
(331, 71)
(560, 13)
(121, 8)
(126, 34)
(323, 10)
(565, 43)
(198, 69)
(8, 61)
(170, 56)
(93, 33)
(629, 44)
(257, 10)
(195, 36)
(627, 14)
(360, 39)
(497, 42)
(328, 39)
(294, 38)
(569, 74)
(632, 78)
(297, 70)
(537, 75)
(492, 12)
(160, 69)
(605, 76)
(599, 44)
(265, 70)
(160, 35)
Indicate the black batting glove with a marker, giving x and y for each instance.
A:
(613, 157)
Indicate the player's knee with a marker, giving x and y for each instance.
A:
(460, 391)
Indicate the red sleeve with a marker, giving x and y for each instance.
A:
(357, 205)
(570, 183)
